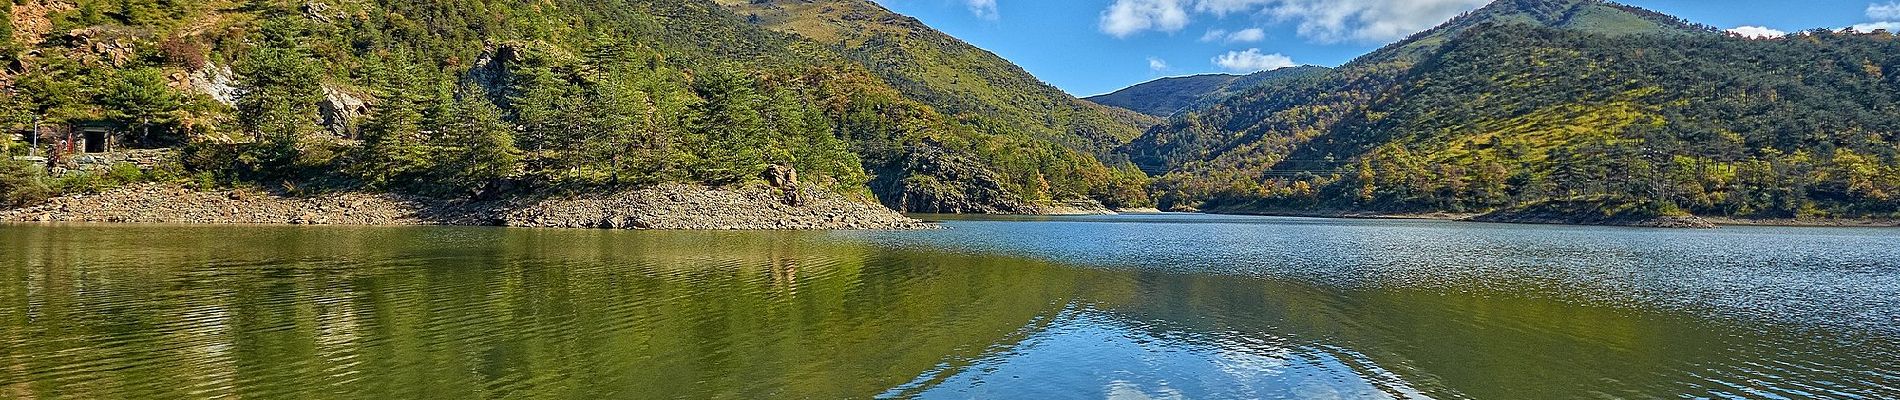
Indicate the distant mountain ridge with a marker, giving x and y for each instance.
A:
(1169, 96)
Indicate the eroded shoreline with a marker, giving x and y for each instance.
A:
(664, 207)
(1688, 222)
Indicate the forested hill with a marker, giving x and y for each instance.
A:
(1169, 96)
(454, 97)
(969, 83)
(1559, 105)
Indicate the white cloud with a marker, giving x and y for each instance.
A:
(1367, 20)
(985, 9)
(1128, 17)
(1325, 21)
(1214, 35)
(1224, 7)
(1890, 26)
(1241, 36)
(1757, 32)
(1247, 35)
(1253, 61)
(1157, 64)
(1887, 11)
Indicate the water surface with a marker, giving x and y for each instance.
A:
(1172, 306)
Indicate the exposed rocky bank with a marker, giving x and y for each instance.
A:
(1519, 216)
(670, 206)
(1665, 221)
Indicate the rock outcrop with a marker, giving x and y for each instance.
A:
(216, 81)
(932, 180)
(671, 206)
(340, 110)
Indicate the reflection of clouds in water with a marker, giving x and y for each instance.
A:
(1095, 354)
(1124, 390)
(1842, 278)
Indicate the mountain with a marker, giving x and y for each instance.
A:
(969, 83)
(538, 97)
(1528, 105)
(1169, 96)
(1586, 16)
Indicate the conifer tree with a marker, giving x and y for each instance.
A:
(392, 140)
(478, 147)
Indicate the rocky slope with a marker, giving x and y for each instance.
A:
(672, 206)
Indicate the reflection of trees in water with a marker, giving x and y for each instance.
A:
(456, 312)
(785, 274)
(453, 312)
(1496, 345)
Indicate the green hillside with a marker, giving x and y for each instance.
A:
(1169, 96)
(487, 97)
(967, 82)
(1526, 103)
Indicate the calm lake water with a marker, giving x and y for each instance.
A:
(1128, 307)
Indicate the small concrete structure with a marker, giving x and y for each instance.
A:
(95, 136)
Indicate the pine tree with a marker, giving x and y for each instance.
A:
(392, 140)
(729, 132)
(277, 104)
(543, 104)
(478, 148)
(140, 96)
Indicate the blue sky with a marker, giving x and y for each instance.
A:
(1090, 47)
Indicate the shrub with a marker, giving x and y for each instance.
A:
(21, 184)
(123, 173)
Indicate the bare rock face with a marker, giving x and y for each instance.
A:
(490, 71)
(340, 110)
(216, 81)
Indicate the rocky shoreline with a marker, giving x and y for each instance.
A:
(667, 207)
(1509, 217)
(1680, 222)
(1502, 217)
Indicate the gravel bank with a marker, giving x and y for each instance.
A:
(670, 206)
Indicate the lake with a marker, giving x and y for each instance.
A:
(1121, 307)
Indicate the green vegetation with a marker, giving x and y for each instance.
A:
(1518, 106)
(978, 89)
(461, 98)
